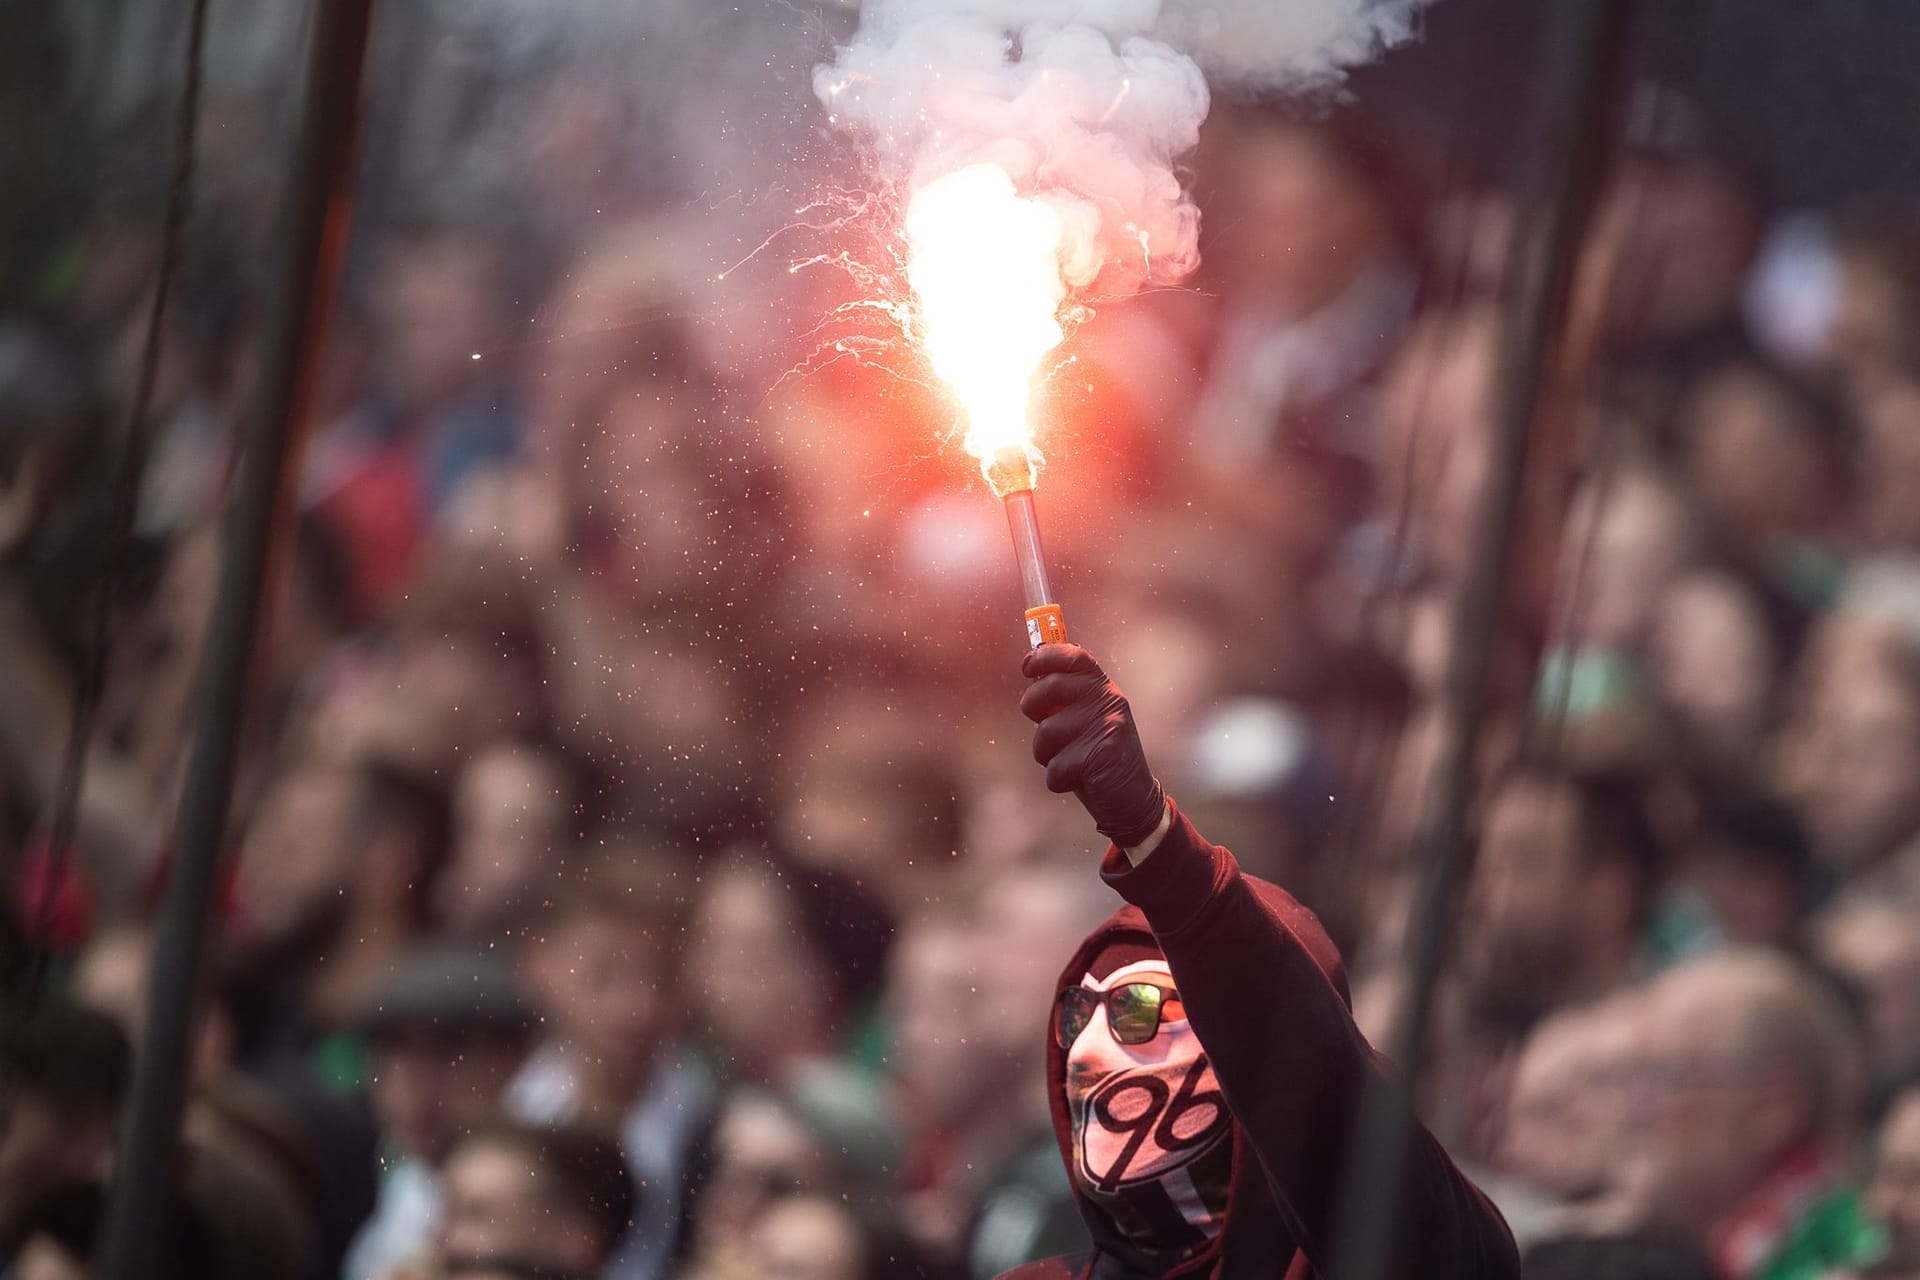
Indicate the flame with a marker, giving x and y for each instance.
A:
(984, 262)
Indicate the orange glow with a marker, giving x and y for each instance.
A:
(984, 263)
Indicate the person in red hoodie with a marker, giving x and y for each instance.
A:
(1203, 1062)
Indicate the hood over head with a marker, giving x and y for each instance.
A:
(1165, 1180)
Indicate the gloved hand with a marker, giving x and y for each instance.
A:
(1088, 743)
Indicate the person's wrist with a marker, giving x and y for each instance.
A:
(1129, 816)
(1138, 853)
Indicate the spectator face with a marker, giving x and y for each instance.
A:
(1529, 851)
(1002, 823)
(430, 1087)
(811, 428)
(673, 699)
(64, 1074)
(42, 1259)
(602, 981)
(1756, 462)
(1893, 1196)
(1438, 406)
(494, 1208)
(1549, 1141)
(1611, 1100)
(444, 695)
(760, 1152)
(1176, 665)
(1720, 1110)
(1890, 464)
(1752, 903)
(1875, 315)
(808, 1238)
(1535, 912)
(1668, 251)
(626, 270)
(1299, 222)
(1573, 1094)
(1853, 751)
(1714, 660)
(436, 301)
(508, 820)
(940, 1021)
(113, 975)
(1625, 543)
(425, 699)
(297, 861)
(758, 989)
(653, 485)
(861, 795)
(41, 1148)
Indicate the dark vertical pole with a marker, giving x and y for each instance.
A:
(111, 886)
(305, 275)
(1581, 74)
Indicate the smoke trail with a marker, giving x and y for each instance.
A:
(1086, 104)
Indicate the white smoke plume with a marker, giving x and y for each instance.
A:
(1087, 104)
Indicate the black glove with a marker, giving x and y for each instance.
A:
(1089, 744)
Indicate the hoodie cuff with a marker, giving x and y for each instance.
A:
(1175, 882)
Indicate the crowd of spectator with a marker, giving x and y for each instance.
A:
(636, 866)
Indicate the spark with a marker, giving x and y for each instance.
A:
(849, 210)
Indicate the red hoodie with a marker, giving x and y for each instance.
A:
(1267, 999)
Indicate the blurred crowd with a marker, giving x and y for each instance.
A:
(637, 869)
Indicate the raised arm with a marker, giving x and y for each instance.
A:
(1253, 968)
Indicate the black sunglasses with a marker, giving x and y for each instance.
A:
(1135, 1011)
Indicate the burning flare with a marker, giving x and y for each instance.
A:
(1040, 141)
(985, 263)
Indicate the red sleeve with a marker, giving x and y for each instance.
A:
(1290, 1060)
